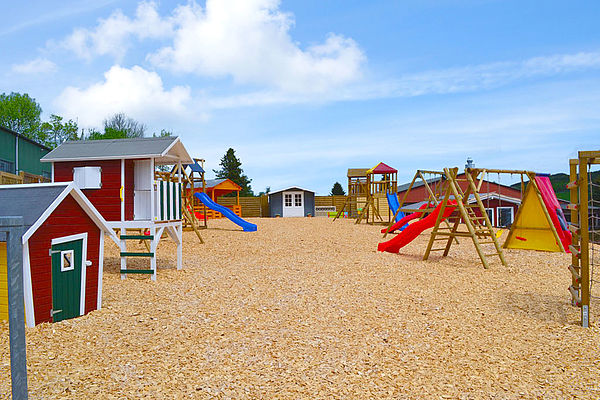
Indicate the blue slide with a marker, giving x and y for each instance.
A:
(247, 226)
(394, 204)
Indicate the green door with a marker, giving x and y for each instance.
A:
(67, 263)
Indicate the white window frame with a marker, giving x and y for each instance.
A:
(512, 214)
(62, 260)
(491, 215)
(298, 196)
(88, 177)
(287, 196)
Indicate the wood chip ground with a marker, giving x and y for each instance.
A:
(306, 308)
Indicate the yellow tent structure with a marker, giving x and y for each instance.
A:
(532, 228)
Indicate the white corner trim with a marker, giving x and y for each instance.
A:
(47, 212)
(30, 185)
(71, 238)
(27, 288)
(100, 270)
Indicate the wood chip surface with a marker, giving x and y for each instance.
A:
(306, 308)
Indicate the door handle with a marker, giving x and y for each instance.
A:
(52, 312)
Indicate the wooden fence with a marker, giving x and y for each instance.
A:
(7, 178)
(259, 206)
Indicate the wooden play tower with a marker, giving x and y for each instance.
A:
(367, 190)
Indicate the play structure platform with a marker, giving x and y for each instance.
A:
(207, 201)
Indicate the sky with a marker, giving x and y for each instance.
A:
(305, 89)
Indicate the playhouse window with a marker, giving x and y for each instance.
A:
(287, 199)
(88, 177)
(490, 213)
(505, 216)
(297, 200)
(66, 261)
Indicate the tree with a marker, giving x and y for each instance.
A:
(337, 190)
(119, 126)
(22, 114)
(231, 169)
(55, 132)
(163, 133)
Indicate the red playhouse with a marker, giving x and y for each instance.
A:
(63, 248)
(118, 177)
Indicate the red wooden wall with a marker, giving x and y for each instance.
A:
(107, 200)
(67, 219)
(421, 194)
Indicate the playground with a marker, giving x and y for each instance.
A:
(307, 308)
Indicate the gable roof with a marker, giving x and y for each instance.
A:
(382, 168)
(165, 150)
(35, 202)
(357, 172)
(290, 188)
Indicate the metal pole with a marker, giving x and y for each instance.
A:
(13, 226)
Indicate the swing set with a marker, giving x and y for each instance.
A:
(461, 192)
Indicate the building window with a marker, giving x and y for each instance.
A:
(88, 177)
(287, 198)
(505, 216)
(297, 200)
(7, 166)
(490, 214)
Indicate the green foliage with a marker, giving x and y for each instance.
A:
(559, 184)
(163, 133)
(119, 126)
(55, 131)
(337, 190)
(22, 114)
(231, 169)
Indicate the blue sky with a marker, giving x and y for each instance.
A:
(303, 90)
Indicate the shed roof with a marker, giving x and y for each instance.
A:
(357, 172)
(225, 183)
(382, 168)
(35, 203)
(297, 188)
(164, 150)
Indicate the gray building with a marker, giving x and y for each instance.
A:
(292, 202)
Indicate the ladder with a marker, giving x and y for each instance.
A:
(124, 237)
(479, 227)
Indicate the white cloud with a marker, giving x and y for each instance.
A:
(33, 67)
(446, 81)
(249, 40)
(112, 36)
(134, 91)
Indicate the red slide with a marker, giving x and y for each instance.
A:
(553, 207)
(405, 220)
(413, 230)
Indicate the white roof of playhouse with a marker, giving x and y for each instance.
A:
(164, 150)
(291, 188)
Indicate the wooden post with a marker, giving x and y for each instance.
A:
(585, 240)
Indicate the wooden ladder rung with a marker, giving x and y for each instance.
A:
(137, 271)
(575, 273)
(573, 207)
(440, 249)
(492, 254)
(575, 251)
(574, 229)
(575, 296)
(572, 185)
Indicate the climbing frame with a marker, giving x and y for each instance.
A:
(479, 226)
(585, 230)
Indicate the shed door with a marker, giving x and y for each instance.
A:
(293, 204)
(67, 269)
(142, 181)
